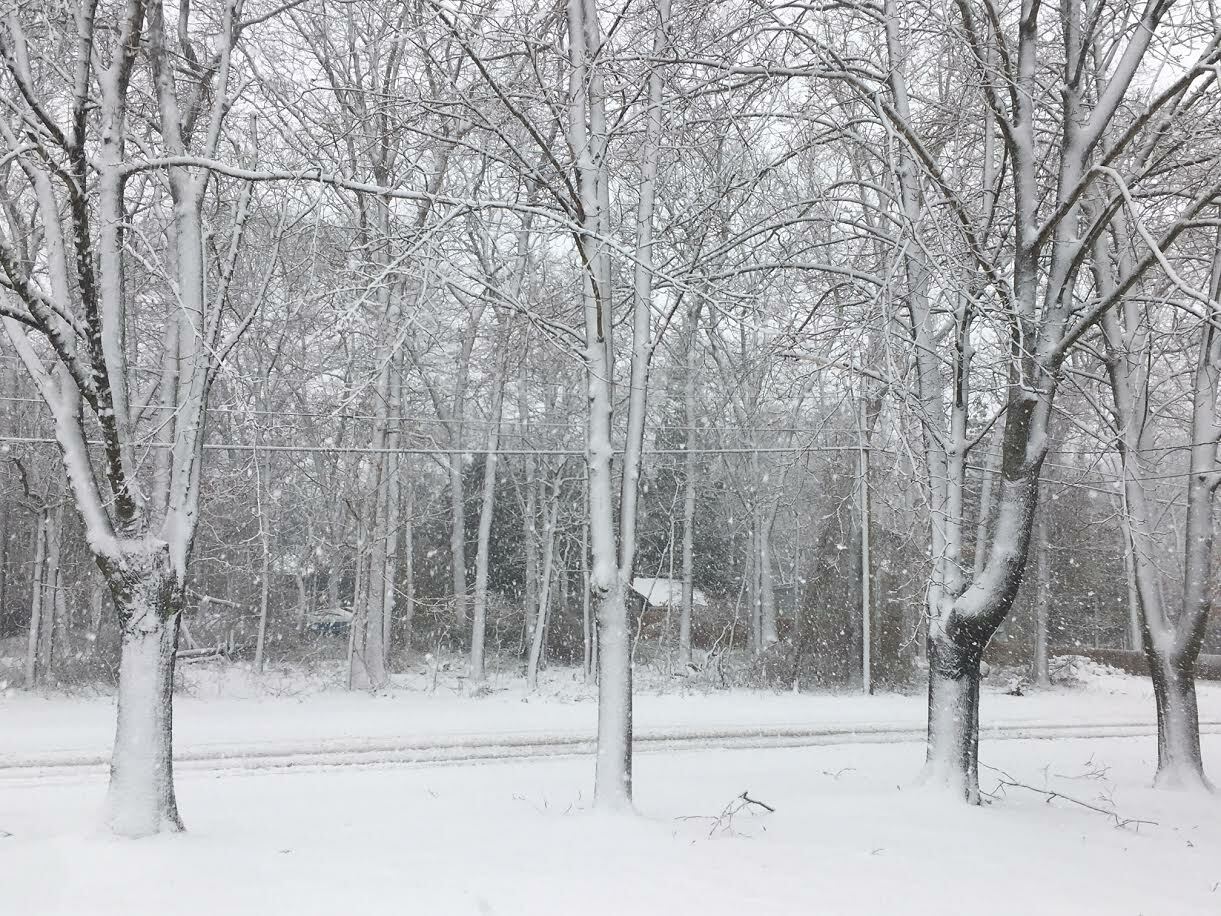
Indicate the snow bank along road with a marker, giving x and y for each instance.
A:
(466, 748)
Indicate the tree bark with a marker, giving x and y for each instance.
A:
(37, 594)
(690, 470)
(141, 799)
(530, 548)
(952, 756)
(589, 642)
(1042, 602)
(1180, 762)
(539, 641)
(479, 607)
(457, 536)
(409, 569)
(263, 481)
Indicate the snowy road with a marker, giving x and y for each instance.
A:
(470, 748)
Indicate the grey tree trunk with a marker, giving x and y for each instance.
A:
(589, 642)
(263, 476)
(409, 569)
(37, 594)
(1042, 602)
(302, 602)
(530, 548)
(393, 511)
(457, 535)
(690, 470)
(479, 607)
(538, 642)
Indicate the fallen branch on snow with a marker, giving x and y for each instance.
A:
(723, 822)
(1049, 795)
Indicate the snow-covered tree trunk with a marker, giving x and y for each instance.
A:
(539, 640)
(589, 639)
(587, 141)
(393, 513)
(952, 760)
(529, 532)
(141, 801)
(690, 468)
(1180, 761)
(479, 606)
(263, 508)
(408, 568)
(768, 634)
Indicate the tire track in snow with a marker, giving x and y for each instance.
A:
(441, 750)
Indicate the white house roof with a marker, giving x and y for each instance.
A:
(663, 592)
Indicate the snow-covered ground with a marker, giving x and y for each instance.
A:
(849, 834)
(226, 708)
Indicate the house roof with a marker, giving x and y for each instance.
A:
(663, 592)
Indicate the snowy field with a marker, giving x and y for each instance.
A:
(849, 834)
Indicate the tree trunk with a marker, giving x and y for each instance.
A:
(357, 677)
(263, 476)
(370, 671)
(302, 602)
(539, 640)
(688, 550)
(332, 581)
(37, 593)
(767, 589)
(60, 650)
(408, 569)
(479, 607)
(1135, 627)
(394, 502)
(866, 565)
(613, 779)
(457, 536)
(1042, 603)
(96, 597)
(530, 546)
(752, 586)
(141, 801)
(952, 759)
(1180, 763)
(588, 639)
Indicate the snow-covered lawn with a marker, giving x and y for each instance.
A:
(849, 835)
